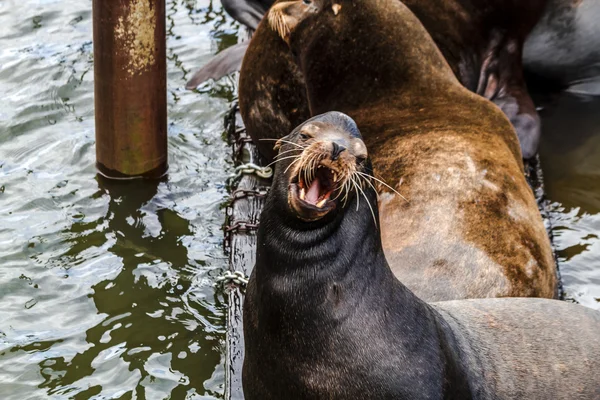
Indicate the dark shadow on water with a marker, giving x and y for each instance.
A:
(146, 324)
(570, 149)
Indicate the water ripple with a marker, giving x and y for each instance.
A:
(106, 289)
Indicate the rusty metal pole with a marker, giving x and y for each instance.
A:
(130, 76)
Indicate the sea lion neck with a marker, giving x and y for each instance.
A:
(312, 290)
(317, 244)
(298, 260)
(364, 70)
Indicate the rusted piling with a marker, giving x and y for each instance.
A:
(130, 81)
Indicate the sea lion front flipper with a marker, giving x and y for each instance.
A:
(226, 62)
(502, 82)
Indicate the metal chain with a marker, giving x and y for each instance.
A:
(237, 278)
(251, 168)
(241, 226)
(243, 193)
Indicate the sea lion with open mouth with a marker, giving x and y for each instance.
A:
(328, 161)
(471, 227)
(325, 317)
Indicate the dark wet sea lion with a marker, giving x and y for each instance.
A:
(481, 39)
(471, 223)
(564, 47)
(325, 318)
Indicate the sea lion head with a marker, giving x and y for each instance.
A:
(285, 16)
(322, 164)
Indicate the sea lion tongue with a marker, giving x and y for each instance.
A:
(312, 196)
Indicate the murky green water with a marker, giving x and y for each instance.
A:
(106, 288)
(570, 154)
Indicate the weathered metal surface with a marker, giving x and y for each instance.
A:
(130, 82)
(246, 207)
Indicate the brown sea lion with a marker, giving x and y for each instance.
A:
(325, 317)
(481, 39)
(471, 223)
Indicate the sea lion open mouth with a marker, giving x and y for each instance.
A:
(323, 164)
(312, 193)
(317, 192)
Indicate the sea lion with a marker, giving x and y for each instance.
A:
(471, 222)
(564, 47)
(325, 317)
(481, 39)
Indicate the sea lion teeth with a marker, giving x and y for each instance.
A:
(302, 194)
(321, 203)
(334, 177)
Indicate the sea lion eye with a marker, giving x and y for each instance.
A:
(307, 2)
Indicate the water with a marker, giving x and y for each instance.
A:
(106, 289)
(570, 154)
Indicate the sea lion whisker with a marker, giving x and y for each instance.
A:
(304, 170)
(384, 184)
(284, 141)
(353, 182)
(287, 151)
(313, 164)
(340, 190)
(292, 163)
(366, 179)
(281, 159)
(347, 190)
(369, 204)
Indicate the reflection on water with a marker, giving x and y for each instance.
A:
(571, 163)
(106, 288)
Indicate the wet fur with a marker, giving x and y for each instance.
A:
(471, 224)
(482, 41)
(325, 318)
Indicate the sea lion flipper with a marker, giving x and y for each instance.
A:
(247, 12)
(502, 82)
(226, 62)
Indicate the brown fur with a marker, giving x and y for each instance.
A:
(471, 223)
(482, 40)
(271, 95)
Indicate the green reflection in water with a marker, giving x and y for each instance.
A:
(106, 288)
(570, 153)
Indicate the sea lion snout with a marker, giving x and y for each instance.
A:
(324, 162)
(336, 150)
(283, 17)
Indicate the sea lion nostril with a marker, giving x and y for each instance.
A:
(336, 150)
